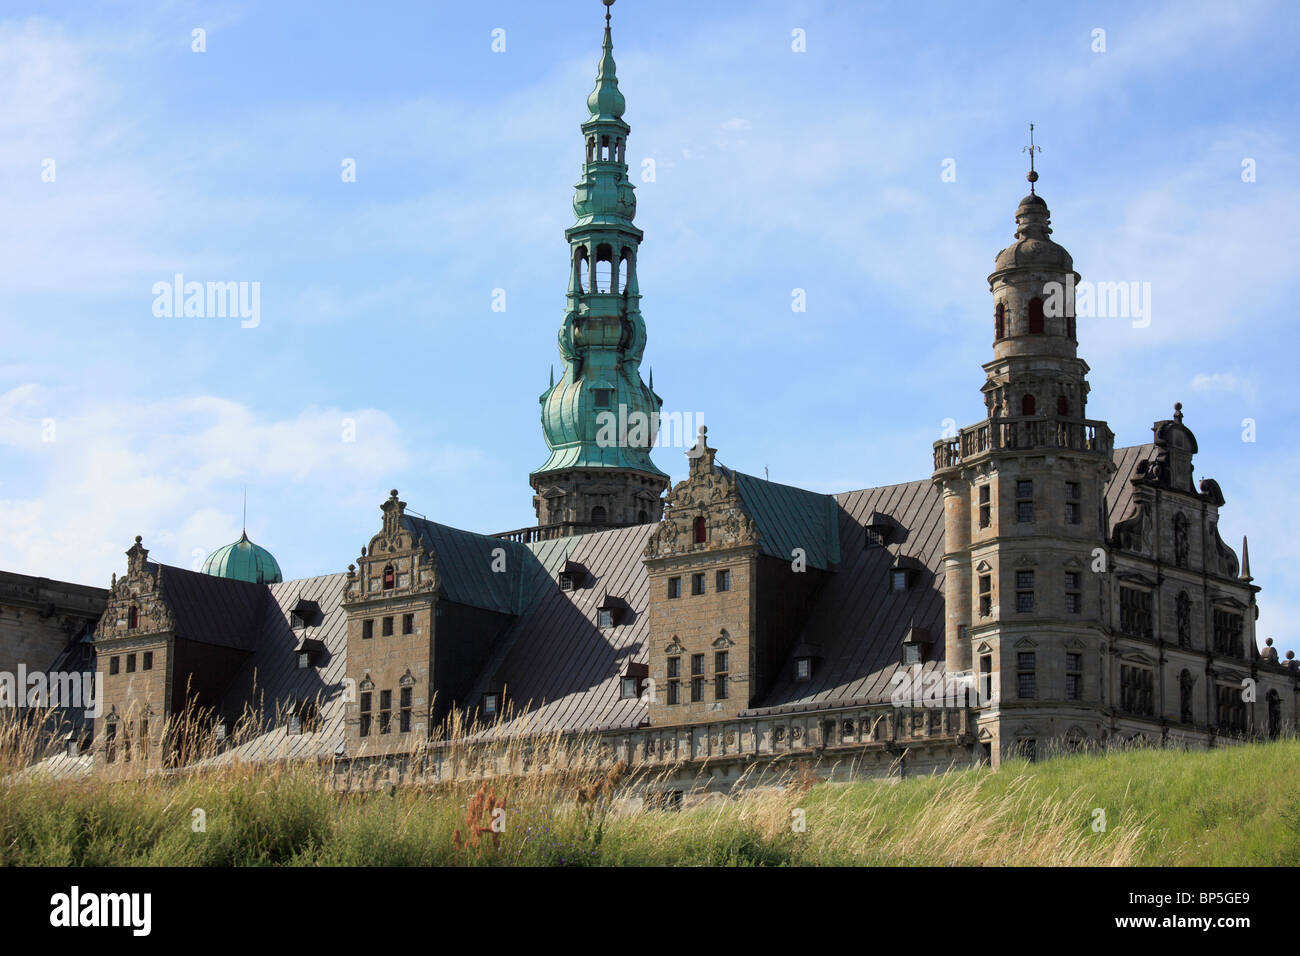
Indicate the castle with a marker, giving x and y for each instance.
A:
(1040, 588)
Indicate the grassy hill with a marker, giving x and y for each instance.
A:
(1238, 805)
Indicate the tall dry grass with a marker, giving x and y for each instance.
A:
(545, 799)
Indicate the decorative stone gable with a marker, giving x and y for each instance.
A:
(395, 564)
(136, 605)
(710, 492)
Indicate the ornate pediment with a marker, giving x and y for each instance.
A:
(395, 563)
(136, 605)
(709, 493)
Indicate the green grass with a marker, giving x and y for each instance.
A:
(1234, 806)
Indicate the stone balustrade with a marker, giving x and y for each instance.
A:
(1024, 433)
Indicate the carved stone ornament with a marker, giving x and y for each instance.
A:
(710, 491)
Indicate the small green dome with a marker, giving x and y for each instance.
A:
(243, 561)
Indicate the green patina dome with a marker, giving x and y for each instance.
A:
(243, 561)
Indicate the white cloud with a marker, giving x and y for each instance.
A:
(173, 471)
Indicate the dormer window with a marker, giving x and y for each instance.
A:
(879, 530)
(632, 681)
(605, 617)
(303, 614)
(916, 643)
(492, 704)
(309, 653)
(805, 660)
(572, 576)
(903, 573)
(390, 578)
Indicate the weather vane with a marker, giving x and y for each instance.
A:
(1032, 176)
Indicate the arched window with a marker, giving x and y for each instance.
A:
(598, 515)
(1062, 405)
(701, 530)
(1000, 325)
(1027, 405)
(390, 578)
(1035, 316)
(642, 517)
(583, 267)
(133, 617)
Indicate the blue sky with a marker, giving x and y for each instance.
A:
(775, 170)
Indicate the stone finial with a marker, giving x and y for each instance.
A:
(1178, 412)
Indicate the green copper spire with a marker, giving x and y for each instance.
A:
(600, 417)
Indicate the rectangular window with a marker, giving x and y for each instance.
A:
(385, 711)
(697, 689)
(986, 595)
(721, 664)
(405, 718)
(1073, 597)
(627, 688)
(986, 506)
(605, 618)
(911, 653)
(674, 692)
(898, 579)
(1073, 509)
(724, 580)
(1074, 677)
(674, 667)
(602, 397)
(697, 583)
(388, 627)
(114, 665)
(1136, 690)
(1026, 675)
(1135, 612)
(1024, 501)
(367, 629)
(365, 713)
(130, 663)
(147, 663)
(144, 740)
(674, 587)
(1024, 591)
(803, 668)
(408, 623)
(1227, 633)
(697, 664)
(986, 678)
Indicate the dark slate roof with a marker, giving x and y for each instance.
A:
(213, 610)
(859, 622)
(1119, 493)
(557, 658)
(465, 566)
(270, 681)
(789, 518)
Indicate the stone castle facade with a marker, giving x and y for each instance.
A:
(1040, 588)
